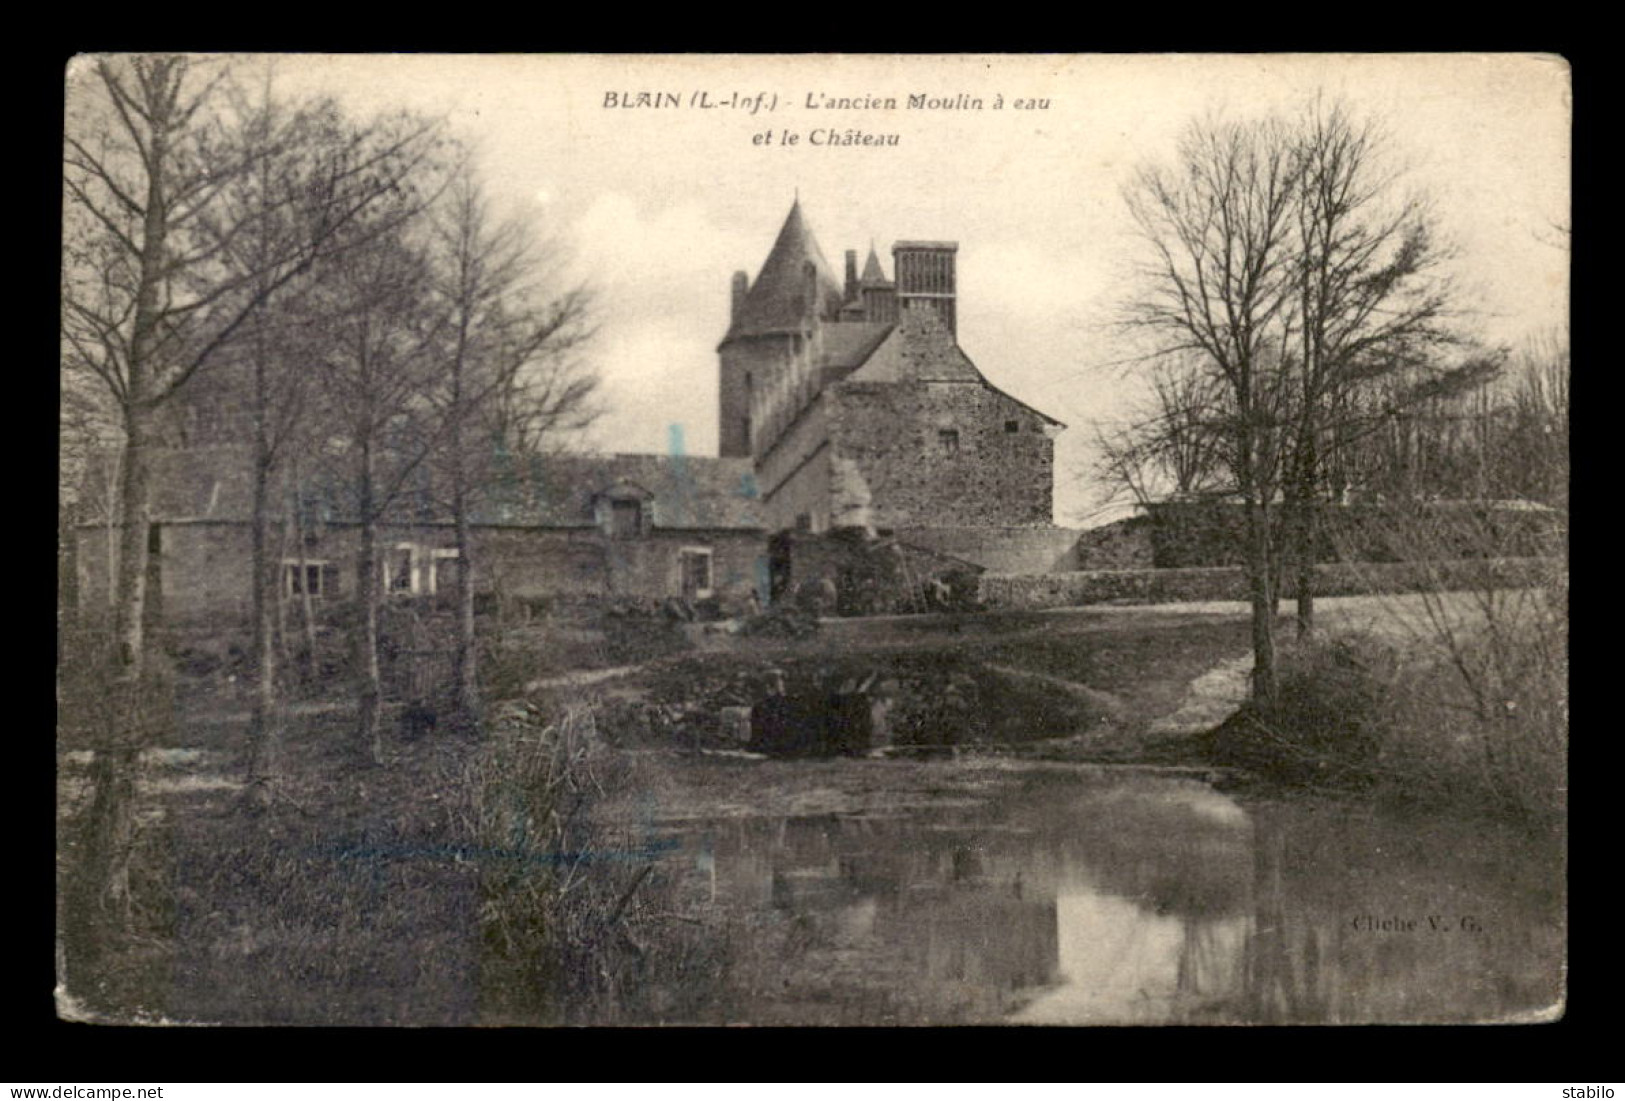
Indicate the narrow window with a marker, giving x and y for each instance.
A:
(695, 569)
(1012, 426)
(625, 518)
(442, 563)
(948, 441)
(314, 578)
(399, 574)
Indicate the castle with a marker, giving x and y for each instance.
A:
(846, 407)
(859, 410)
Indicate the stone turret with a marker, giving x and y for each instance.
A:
(771, 321)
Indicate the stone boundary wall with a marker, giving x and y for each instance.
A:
(1064, 590)
(1010, 550)
(1194, 534)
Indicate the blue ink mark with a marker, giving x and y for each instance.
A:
(378, 854)
(764, 580)
(682, 478)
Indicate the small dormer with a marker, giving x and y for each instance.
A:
(624, 510)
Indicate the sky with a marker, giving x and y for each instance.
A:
(656, 207)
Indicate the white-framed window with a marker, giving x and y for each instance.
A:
(401, 569)
(314, 576)
(694, 570)
(442, 568)
(412, 569)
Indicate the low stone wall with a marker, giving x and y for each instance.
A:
(1038, 548)
(1064, 590)
(1190, 534)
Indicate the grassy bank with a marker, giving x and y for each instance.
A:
(1462, 710)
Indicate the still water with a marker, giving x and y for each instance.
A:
(1124, 898)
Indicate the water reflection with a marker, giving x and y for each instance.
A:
(1141, 900)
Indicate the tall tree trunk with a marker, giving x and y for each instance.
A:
(1304, 582)
(1301, 518)
(279, 591)
(466, 670)
(1261, 569)
(98, 898)
(103, 892)
(103, 896)
(1262, 562)
(1307, 481)
(369, 733)
(115, 479)
(134, 522)
(262, 735)
(307, 610)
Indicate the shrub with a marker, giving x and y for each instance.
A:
(1329, 721)
(1474, 715)
(576, 903)
(1487, 722)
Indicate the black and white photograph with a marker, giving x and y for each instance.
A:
(813, 540)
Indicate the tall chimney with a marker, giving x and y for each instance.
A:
(741, 286)
(851, 275)
(926, 278)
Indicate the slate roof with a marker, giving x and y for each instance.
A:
(776, 301)
(692, 492)
(687, 492)
(203, 483)
(919, 348)
(849, 343)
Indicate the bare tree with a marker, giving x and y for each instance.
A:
(254, 224)
(1368, 302)
(1220, 286)
(1533, 455)
(1177, 446)
(378, 372)
(149, 301)
(510, 381)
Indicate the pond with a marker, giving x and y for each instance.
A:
(1121, 897)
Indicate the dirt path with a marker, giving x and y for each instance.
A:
(1105, 701)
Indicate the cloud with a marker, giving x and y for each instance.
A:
(661, 279)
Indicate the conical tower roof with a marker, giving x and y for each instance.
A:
(776, 301)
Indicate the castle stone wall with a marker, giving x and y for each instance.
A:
(984, 475)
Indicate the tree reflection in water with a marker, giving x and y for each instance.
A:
(1137, 899)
